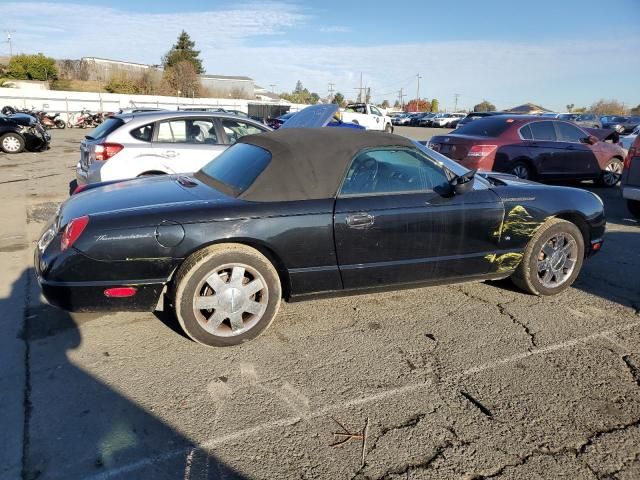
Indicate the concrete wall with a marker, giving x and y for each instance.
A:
(70, 103)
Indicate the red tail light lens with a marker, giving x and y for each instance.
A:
(73, 231)
(120, 292)
(79, 189)
(105, 151)
(481, 150)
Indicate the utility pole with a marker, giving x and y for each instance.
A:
(273, 87)
(9, 32)
(401, 96)
(331, 90)
(418, 92)
(455, 96)
(360, 94)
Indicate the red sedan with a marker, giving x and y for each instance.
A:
(534, 148)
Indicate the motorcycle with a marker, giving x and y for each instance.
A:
(8, 110)
(83, 120)
(51, 120)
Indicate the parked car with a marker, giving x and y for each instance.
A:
(403, 119)
(614, 122)
(276, 123)
(20, 131)
(631, 178)
(627, 140)
(446, 120)
(570, 117)
(630, 123)
(426, 119)
(369, 116)
(414, 119)
(152, 143)
(471, 116)
(229, 242)
(325, 116)
(588, 120)
(534, 148)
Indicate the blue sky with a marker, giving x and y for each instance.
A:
(509, 52)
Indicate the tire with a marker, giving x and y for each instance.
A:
(388, 128)
(12, 143)
(634, 207)
(237, 266)
(522, 170)
(60, 124)
(527, 275)
(612, 173)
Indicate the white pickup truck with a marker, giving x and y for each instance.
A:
(369, 116)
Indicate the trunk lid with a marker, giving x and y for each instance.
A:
(455, 146)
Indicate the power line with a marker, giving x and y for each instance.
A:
(401, 96)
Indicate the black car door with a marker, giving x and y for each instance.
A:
(545, 149)
(576, 159)
(393, 223)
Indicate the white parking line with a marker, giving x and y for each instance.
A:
(284, 422)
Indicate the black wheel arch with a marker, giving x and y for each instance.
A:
(579, 221)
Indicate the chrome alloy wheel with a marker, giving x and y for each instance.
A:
(521, 171)
(231, 300)
(11, 144)
(612, 173)
(557, 259)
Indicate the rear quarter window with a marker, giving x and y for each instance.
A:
(110, 125)
(488, 127)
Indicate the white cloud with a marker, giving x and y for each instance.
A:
(253, 39)
(335, 29)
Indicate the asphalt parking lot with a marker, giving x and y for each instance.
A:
(470, 381)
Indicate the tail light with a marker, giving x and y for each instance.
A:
(105, 151)
(79, 188)
(72, 232)
(481, 150)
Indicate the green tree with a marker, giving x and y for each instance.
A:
(338, 99)
(32, 67)
(301, 95)
(570, 107)
(299, 88)
(183, 50)
(435, 105)
(396, 104)
(484, 106)
(385, 104)
(635, 110)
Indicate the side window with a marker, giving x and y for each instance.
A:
(144, 133)
(525, 133)
(569, 133)
(375, 111)
(236, 129)
(194, 131)
(543, 131)
(389, 171)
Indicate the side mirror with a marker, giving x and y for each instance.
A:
(463, 183)
(591, 140)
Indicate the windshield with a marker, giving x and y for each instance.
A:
(451, 165)
(236, 168)
(105, 128)
(489, 127)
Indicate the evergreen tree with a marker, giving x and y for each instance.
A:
(183, 50)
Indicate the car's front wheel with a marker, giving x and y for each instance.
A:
(226, 294)
(612, 173)
(634, 207)
(552, 260)
(12, 143)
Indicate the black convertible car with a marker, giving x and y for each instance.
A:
(21, 131)
(300, 212)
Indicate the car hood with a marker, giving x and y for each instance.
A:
(147, 192)
(312, 117)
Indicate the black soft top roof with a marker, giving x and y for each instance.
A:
(310, 163)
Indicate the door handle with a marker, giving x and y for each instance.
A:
(360, 220)
(571, 147)
(170, 153)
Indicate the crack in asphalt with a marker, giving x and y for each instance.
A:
(633, 368)
(424, 464)
(26, 401)
(503, 311)
(577, 452)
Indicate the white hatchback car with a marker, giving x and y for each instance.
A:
(154, 143)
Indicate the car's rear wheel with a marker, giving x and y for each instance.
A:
(226, 294)
(12, 143)
(634, 207)
(612, 173)
(521, 170)
(552, 260)
(388, 128)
